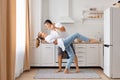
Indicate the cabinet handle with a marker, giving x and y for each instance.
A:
(80, 56)
(81, 47)
(80, 52)
(47, 47)
(92, 47)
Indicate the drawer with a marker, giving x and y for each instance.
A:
(81, 63)
(81, 52)
(80, 47)
(81, 58)
(92, 45)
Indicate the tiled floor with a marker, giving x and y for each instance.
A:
(30, 74)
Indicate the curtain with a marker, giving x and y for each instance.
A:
(3, 58)
(7, 39)
(27, 39)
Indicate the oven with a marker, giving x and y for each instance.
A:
(56, 56)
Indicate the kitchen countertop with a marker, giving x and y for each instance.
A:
(44, 42)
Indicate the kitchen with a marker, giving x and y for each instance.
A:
(96, 19)
(89, 55)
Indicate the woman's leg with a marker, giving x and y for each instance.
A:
(70, 60)
(67, 41)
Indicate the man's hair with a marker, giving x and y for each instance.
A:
(48, 21)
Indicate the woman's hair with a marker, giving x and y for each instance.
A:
(38, 39)
(37, 42)
(48, 21)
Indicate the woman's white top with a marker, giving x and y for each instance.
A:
(50, 39)
(56, 34)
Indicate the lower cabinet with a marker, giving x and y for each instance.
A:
(81, 52)
(42, 56)
(88, 55)
(92, 57)
(47, 55)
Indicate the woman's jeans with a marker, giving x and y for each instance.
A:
(67, 41)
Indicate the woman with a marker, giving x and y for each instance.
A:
(64, 44)
(58, 30)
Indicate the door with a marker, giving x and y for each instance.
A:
(115, 62)
(116, 44)
(47, 55)
(108, 26)
(107, 60)
(92, 55)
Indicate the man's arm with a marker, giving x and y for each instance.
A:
(62, 29)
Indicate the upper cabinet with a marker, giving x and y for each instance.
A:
(59, 11)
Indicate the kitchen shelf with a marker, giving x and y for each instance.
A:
(92, 15)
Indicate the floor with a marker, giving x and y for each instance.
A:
(28, 75)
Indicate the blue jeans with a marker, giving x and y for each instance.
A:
(67, 41)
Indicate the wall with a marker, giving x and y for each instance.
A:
(45, 12)
(90, 28)
(35, 18)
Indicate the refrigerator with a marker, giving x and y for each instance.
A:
(112, 42)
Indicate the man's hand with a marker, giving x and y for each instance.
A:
(52, 27)
(55, 42)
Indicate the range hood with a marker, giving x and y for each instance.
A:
(65, 11)
(65, 19)
(60, 11)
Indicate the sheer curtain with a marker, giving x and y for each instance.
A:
(22, 37)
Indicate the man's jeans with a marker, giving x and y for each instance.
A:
(67, 41)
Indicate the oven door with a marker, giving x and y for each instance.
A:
(63, 60)
(56, 56)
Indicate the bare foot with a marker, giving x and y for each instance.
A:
(77, 70)
(66, 71)
(59, 70)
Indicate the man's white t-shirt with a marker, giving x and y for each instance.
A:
(56, 34)
(61, 34)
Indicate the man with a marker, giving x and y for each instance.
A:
(58, 30)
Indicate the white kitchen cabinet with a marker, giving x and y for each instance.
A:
(101, 54)
(92, 56)
(34, 56)
(89, 54)
(81, 51)
(47, 55)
